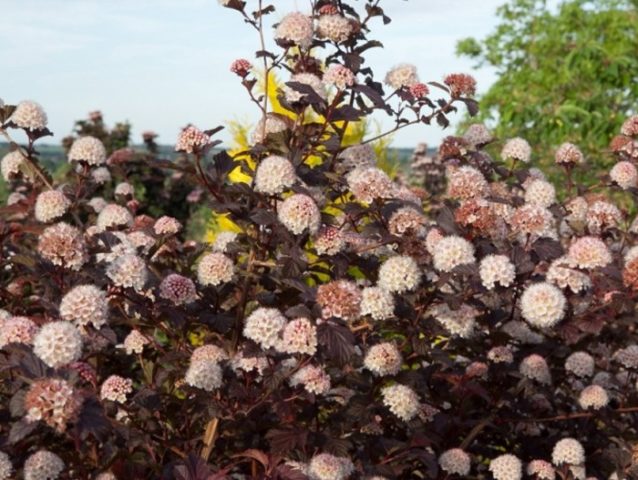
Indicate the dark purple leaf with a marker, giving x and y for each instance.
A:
(338, 341)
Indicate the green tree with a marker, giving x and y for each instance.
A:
(568, 73)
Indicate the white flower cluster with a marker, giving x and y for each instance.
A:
(58, 343)
(568, 451)
(455, 462)
(91, 151)
(324, 466)
(580, 364)
(29, 115)
(11, 165)
(459, 323)
(274, 174)
(50, 205)
(399, 274)
(215, 269)
(452, 251)
(128, 271)
(334, 27)
(314, 379)
(377, 302)
(204, 373)
(402, 401)
(299, 213)
(543, 305)
(263, 326)
(43, 465)
(495, 269)
(299, 336)
(517, 149)
(295, 28)
(383, 359)
(403, 75)
(85, 305)
(506, 467)
(308, 79)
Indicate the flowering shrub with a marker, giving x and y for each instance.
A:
(334, 330)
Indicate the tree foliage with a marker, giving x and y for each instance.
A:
(565, 74)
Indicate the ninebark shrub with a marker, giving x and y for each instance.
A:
(333, 330)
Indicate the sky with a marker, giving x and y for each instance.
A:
(161, 64)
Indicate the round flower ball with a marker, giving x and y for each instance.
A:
(208, 352)
(295, 28)
(399, 274)
(273, 124)
(89, 150)
(478, 135)
(593, 396)
(401, 400)
(506, 467)
(299, 213)
(569, 154)
(377, 302)
(84, 305)
(29, 115)
(299, 336)
(517, 149)
(383, 359)
(274, 175)
(17, 330)
(329, 240)
(404, 75)
(314, 379)
(204, 374)
(135, 342)
(11, 164)
(191, 140)
(101, 175)
(178, 289)
(580, 364)
(568, 451)
(355, 156)
(215, 269)
(624, 174)
(308, 79)
(543, 305)
(541, 470)
(58, 343)
(128, 271)
(452, 251)
(43, 465)
(336, 28)
(166, 225)
(263, 326)
(51, 204)
(324, 466)
(455, 462)
(113, 216)
(465, 183)
(535, 367)
(369, 183)
(116, 389)
(6, 468)
(63, 245)
(541, 193)
(339, 76)
(495, 269)
(589, 253)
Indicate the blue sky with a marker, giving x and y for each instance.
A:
(164, 63)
